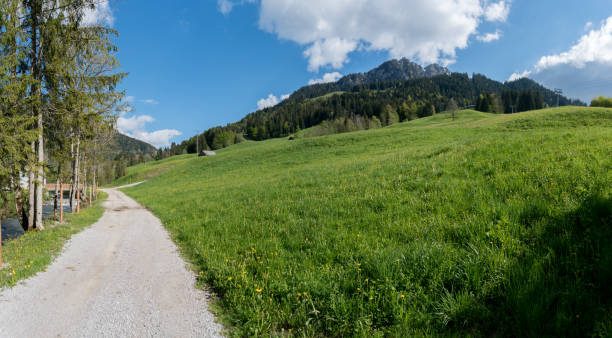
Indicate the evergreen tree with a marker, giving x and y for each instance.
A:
(16, 121)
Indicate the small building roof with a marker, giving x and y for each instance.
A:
(207, 153)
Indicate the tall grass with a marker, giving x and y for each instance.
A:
(481, 225)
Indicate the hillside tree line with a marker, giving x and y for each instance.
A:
(341, 106)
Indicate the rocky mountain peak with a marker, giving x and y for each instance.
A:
(394, 70)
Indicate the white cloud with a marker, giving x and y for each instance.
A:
(332, 51)
(271, 101)
(516, 76)
(327, 78)
(101, 14)
(134, 123)
(595, 46)
(158, 138)
(498, 11)
(424, 30)
(131, 99)
(150, 101)
(584, 70)
(490, 37)
(226, 6)
(135, 127)
(588, 25)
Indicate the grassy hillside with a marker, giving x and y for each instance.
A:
(326, 96)
(485, 225)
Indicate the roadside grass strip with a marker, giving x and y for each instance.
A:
(32, 252)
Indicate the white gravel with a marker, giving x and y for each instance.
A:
(122, 277)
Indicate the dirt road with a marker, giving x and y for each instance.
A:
(122, 277)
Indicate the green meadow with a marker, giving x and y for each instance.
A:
(482, 225)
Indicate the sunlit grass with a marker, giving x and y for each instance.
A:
(34, 251)
(482, 225)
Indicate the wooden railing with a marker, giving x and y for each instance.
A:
(64, 187)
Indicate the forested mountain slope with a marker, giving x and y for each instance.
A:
(123, 144)
(398, 90)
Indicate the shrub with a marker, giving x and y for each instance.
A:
(602, 101)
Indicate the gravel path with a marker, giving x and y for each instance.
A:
(122, 277)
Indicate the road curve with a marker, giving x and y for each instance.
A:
(122, 277)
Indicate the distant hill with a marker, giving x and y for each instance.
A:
(392, 70)
(397, 90)
(123, 144)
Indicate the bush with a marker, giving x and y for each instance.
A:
(602, 101)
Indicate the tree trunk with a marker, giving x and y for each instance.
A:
(84, 189)
(61, 201)
(70, 186)
(76, 169)
(78, 200)
(57, 189)
(32, 196)
(91, 189)
(37, 75)
(78, 178)
(40, 178)
(55, 203)
(18, 195)
(95, 185)
(71, 191)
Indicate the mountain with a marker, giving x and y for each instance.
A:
(397, 90)
(123, 144)
(392, 70)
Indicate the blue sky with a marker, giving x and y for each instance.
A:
(197, 64)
